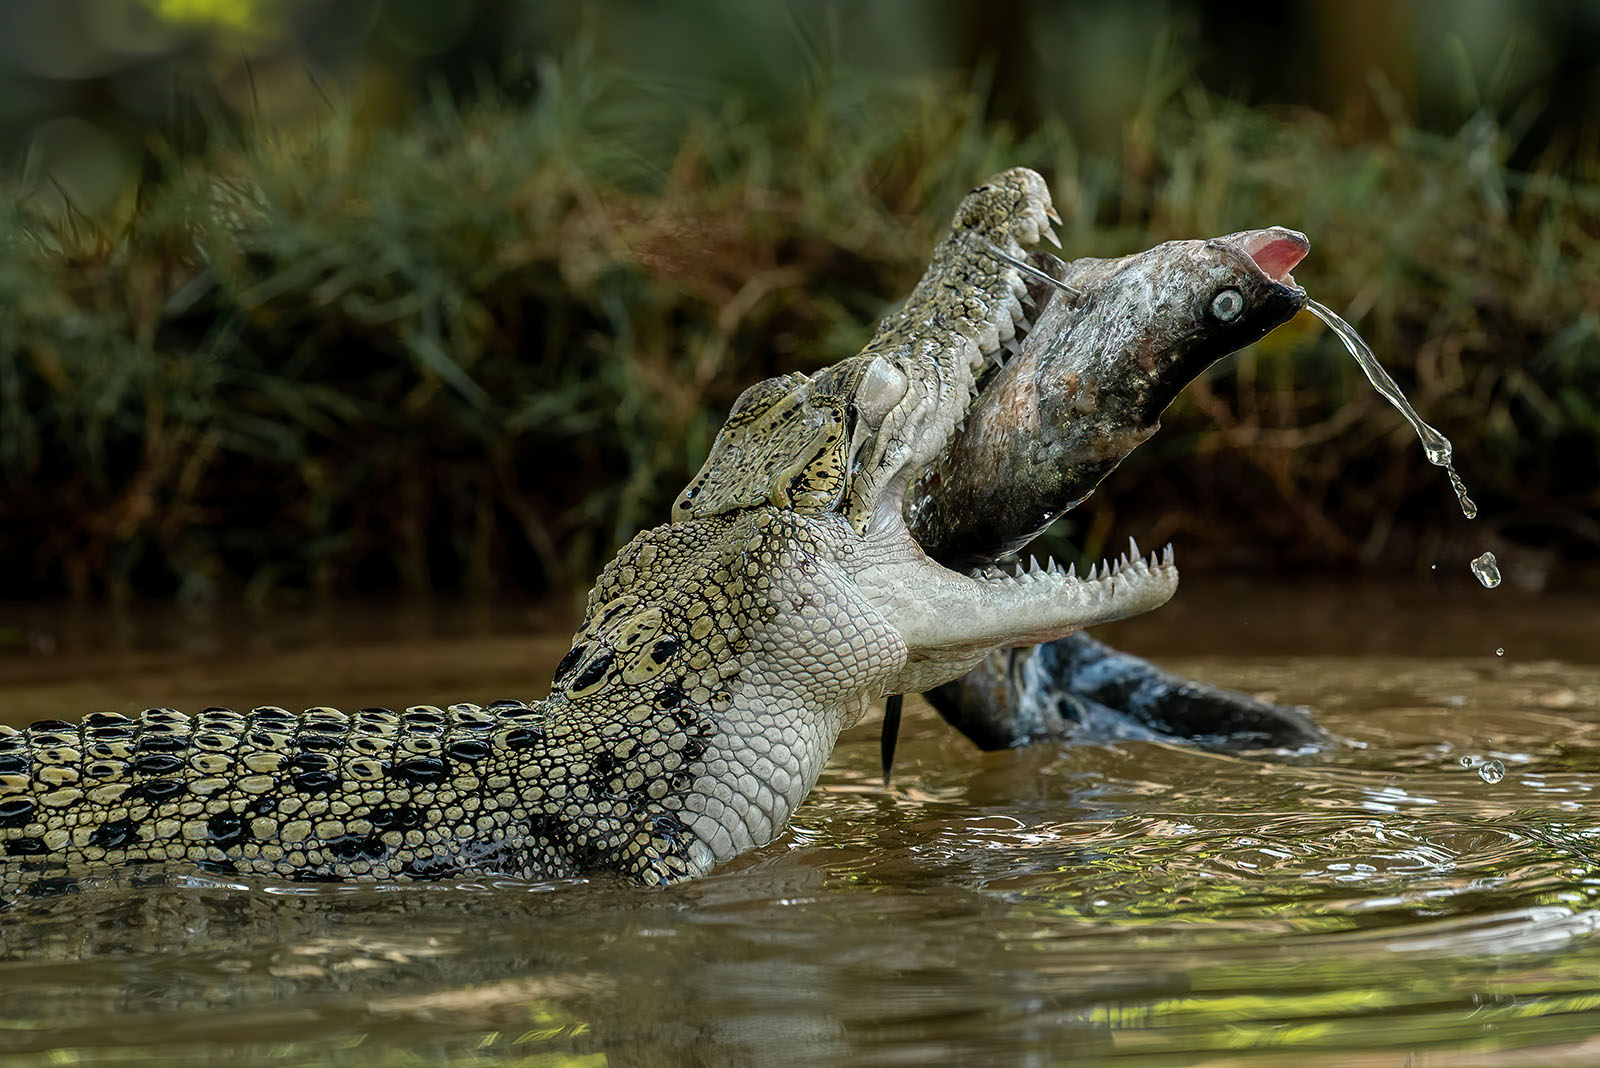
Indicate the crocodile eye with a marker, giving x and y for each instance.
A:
(881, 388)
(1227, 305)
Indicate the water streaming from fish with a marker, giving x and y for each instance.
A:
(1434, 444)
(1439, 451)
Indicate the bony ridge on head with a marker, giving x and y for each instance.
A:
(882, 387)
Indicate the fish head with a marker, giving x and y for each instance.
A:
(1146, 325)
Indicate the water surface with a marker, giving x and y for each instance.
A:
(1135, 903)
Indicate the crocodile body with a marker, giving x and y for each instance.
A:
(719, 657)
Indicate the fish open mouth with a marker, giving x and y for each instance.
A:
(1276, 250)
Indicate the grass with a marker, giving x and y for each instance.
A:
(479, 349)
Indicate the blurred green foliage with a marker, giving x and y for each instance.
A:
(479, 347)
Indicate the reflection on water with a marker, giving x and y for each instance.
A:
(1138, 903)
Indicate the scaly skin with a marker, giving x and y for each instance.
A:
(719, 658)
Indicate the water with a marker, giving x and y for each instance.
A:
(1487, 570)
(1434, 444)
(1490, 771)
(1135, 903)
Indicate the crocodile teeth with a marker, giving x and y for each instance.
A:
(1133, 549)
(1004, 328)
(989, 338)
(1105, 571)
(1050, 236)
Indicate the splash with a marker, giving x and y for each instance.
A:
(1487, 568)
(1435, 444)
(1490, 771)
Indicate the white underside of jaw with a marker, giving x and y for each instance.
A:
(949, 621)
(888, 517)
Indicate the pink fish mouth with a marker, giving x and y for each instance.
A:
(1275, 250)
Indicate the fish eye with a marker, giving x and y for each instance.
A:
(1227, 305)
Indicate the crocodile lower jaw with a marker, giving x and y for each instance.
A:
(949, 621)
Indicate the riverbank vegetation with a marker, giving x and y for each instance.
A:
(478, 348)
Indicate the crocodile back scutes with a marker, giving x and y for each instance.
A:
(314, 796)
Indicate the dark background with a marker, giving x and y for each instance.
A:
(358, 295)
(137, 69)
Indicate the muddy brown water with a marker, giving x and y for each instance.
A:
(1377, 904)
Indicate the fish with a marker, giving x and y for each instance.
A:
(1092, 378)
(1077, 688)
(1113, 343)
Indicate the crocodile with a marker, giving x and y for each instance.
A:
(718, 659)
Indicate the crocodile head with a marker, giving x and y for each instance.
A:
(849, 438)
(788, 595)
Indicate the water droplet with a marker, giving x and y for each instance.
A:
(1466, 762)
(1499, 652)
(1468, 508)
(1433, 567)
(1487, 568)
(1491, 771)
